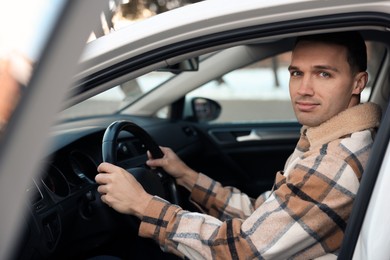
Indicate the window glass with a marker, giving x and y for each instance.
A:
(252, 93)
(117, 98)
(259, 92)
(375, 53)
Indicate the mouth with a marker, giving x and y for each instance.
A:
(306, 106)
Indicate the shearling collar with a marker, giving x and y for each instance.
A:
(354, 119)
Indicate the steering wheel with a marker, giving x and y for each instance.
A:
(154, 181)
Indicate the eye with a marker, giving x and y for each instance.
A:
(295, 73)
(325, 74)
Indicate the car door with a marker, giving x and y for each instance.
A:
(25, 138)
(247, 156)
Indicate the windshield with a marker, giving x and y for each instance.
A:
(117, 98)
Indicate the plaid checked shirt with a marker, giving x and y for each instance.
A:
(303, 217)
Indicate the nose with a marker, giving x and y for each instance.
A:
(306, 87)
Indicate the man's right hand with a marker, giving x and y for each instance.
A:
(174, 166)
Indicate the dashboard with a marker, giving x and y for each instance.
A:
(67, 217)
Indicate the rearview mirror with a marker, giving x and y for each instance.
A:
(185, 65)
(204, 109)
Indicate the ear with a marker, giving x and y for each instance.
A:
(360, 82)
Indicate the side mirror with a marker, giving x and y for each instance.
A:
(204, 109)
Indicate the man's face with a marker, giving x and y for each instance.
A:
(321, 82)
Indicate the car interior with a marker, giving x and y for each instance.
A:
(235, 139)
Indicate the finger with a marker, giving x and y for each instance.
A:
(104, 199)
(106, 167)
(102, 178)
(149, 154)
(102, 189)
(154, 162)
(165, 150)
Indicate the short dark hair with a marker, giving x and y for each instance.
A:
(352, 40)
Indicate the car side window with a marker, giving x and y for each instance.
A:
(258, 92)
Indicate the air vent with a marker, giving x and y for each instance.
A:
(55, 182)
(83, 167)
(34, 193)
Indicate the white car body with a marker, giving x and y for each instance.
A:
(208, 18)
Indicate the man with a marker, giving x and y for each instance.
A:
(305, 214)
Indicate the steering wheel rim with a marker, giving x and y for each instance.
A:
(109, 152)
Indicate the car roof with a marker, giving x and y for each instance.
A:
(194, 20)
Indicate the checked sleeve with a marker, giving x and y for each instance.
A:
(223, 202)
